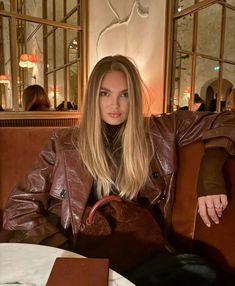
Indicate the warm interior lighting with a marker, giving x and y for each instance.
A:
(55, 89)
(27, 61)
(4, 78)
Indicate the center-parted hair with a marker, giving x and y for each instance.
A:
(127, 173)
(35, 98)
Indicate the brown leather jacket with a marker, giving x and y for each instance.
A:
(58, 186)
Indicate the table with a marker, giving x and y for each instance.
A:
(30, 265)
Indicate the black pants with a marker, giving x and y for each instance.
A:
(168, 269)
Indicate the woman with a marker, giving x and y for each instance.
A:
(35, 99)
(116, 150)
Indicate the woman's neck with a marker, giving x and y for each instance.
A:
(111, 132)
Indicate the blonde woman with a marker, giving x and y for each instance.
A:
(116, 150)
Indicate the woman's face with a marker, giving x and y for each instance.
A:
(114, 102)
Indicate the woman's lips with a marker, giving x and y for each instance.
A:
(114, 114)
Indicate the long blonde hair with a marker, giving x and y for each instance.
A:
(132, 170)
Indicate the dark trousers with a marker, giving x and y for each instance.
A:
(168, 269)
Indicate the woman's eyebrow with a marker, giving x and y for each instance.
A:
(103, 88)
(106, 89)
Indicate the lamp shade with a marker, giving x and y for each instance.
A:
(4, 78)
(27, 61)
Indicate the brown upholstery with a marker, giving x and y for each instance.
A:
(20, 145)
(185, 206)
(216, 244)
(18, 150)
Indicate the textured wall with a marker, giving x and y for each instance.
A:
(135, 29)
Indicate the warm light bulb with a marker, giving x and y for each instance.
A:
(27, 61)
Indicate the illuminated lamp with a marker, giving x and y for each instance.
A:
(27, 61)
(4, 79)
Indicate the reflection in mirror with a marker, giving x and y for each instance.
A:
(229, 42)
(209, 29)
(206, 81)
(182, 81)
(70, 5)
(229, 72)
(28, 7)
(183, 4)
(43, 53)
(204, 54)
(6, 93)
(185, 32)
(232, 2)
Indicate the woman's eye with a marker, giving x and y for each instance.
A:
(103, 93)
(124, 94)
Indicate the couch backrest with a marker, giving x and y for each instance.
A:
(216, 244)
(19, 147)
(185, 204)
(18, 150)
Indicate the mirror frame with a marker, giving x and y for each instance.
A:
(43, 115)
(171, 49)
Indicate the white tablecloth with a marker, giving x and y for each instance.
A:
(30, 265)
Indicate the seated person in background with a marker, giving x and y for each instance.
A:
(199, 104)
(35, 98)
(116, 150)
(230, 102)
(213, 104)
(185, 107)
(61, 106)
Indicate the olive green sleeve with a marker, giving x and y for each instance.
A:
(211, 178)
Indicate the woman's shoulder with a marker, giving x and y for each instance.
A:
(67, 135)
(169, 122)
(160, 119)
(178, 115)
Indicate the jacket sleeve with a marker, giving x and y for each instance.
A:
(215, 129)
(26, 214)
(211, 179)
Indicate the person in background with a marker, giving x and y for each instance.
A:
(35, 98)
(61, 106)
(199, 104)
(185, 107)
(213, 104)
(116, 150)
(230, 102)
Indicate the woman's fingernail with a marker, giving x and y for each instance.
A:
(208, 225)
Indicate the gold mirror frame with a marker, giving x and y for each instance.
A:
(13, 17)
(219, 80)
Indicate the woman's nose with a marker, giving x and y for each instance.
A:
(115, 100)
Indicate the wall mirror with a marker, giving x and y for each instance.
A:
(202, 57)
(43, 42)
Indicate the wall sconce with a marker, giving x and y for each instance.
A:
(4, 79)
(27, 61)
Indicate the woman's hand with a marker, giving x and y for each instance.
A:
(212, 207)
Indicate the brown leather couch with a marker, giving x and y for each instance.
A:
(20, 145)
